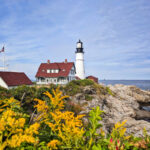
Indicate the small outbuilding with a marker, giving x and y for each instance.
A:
(13, 79)
(95, 79)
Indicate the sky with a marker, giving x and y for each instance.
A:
(115, 35)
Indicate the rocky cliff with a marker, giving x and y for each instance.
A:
(119, 103)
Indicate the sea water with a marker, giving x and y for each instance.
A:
(143, 84)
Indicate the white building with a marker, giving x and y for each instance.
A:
(56, 73)
(62, 72)
(80, 71)
(10, 80)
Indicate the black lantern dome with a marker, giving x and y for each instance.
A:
(79, 48)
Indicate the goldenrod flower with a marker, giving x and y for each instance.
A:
(53, 144)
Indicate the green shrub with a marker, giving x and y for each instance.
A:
(102, 90)
(4, 93)
(72, 88)
(75, 86)
(109, 91)
(54, 127)
(88, 97)
(86, 82)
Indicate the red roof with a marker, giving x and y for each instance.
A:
(15, 78)
(64, 69)
(77, 78)
(92, 78)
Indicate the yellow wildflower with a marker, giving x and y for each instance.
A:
(12, 129)
(53, 144)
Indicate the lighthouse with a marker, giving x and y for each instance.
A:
(80, 72)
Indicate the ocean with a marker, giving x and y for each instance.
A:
(143, 84)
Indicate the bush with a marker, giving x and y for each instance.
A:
(75, 86)
(103, 90)
(52, 127)
(4, 93)
(88, 97)
(109, 91)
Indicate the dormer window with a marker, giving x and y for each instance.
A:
(56, 71)
(52, 70)
(63, 70)
(48, 70)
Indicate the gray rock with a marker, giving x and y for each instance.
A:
(125, 105)
(89, 90)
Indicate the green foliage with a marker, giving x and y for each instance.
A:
(23, 93)
(91, 134)
(53, 120)
(75, 86)
(4, 93)
(88, 97)
(72, 88)
(85, 82)
(109, 91)
(26, 95)
(102, 90)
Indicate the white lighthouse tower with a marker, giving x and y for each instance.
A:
(80, 72)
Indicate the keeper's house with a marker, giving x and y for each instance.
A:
(10, 80)
(56, 73)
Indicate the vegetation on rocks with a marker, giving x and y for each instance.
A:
(54, 121)
(75, 86)
(51, 127)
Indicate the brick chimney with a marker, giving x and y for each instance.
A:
(66, 61)
(48, 61)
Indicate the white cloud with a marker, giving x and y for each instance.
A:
(115, 34)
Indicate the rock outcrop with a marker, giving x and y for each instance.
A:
(125, 103)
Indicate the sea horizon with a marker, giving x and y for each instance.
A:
(142, 84)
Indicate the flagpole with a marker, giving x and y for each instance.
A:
(3, 50)
(4, 61)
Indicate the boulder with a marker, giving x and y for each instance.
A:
(125, 104)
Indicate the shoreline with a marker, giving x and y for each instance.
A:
(142, 84)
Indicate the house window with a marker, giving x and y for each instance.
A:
(42, 79)
(56, 71)
(43, 70)
(48, 70)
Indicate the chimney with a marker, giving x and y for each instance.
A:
(48, 61)
(65, 60)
